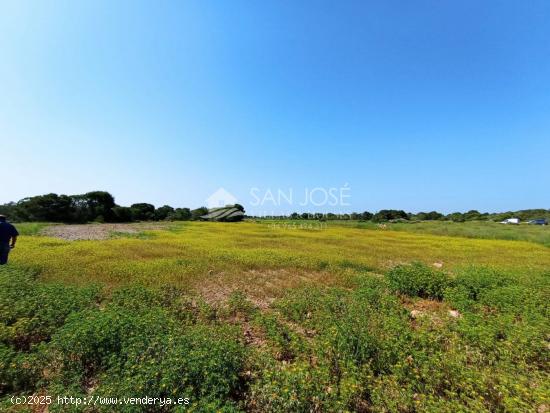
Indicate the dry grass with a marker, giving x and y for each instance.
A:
(98, 231)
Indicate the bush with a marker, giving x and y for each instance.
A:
(56, 339)
(476, 281)
(476, 286)
(418, 280)
(302, 387)
(352, 334)
(30, 311)
(136, 347)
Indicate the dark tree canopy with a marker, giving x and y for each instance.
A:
(143, 212)
(180, 214)
(95, 206)
(198, 213)
(389, 214)
(163, 212)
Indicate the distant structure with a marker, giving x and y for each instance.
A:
(514, 221)
(229, 213)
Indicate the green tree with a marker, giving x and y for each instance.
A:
(100, 204)
(143, 212)
(49, 207)
(180, 214)
(367, 216)
(196, 214)
(389, 214)
(456, 217)
(163, 212)
(122, 214)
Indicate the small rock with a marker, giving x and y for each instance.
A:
(454, 314)
(416, 313)
(438, 264)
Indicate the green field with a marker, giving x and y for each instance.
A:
(282, 316)
(468, 229)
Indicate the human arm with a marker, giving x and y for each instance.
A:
(14, 235)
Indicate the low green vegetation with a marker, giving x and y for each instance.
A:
(260, 318)
(418, 280)
(31, 228)
(471, 229)
(353, 348)
(139, 342)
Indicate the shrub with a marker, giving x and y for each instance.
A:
(418, 280)
(30, 311)
(478, 280)
(135, 346)
(285, 342)
(302, 387)
(351, 334)
(471, 284)
(19, 371)
(202, 363)
(238, 305)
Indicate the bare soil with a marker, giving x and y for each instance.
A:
(98, 231)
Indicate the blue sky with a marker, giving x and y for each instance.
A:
(415, 105)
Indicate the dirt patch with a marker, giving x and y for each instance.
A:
(424, 305)
(98, 231)
(261, 287)
(425, 310)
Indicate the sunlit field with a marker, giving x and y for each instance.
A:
(188, 254)
(469, 229)
(277, 317)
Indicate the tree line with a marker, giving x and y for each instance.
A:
(96, 206)
(100, 206)
(393, 215)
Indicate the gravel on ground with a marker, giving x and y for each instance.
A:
(98, 231)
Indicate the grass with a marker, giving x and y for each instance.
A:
(470, 229)
(193, 254)
(262, 318)
(31, 228)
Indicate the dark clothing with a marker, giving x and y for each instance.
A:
(7, 231)
(4, 251)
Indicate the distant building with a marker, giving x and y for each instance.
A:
(229, 213)
(514, 221)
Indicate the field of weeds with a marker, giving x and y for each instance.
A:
(268, 318)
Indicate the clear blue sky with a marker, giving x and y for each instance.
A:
(416, 105)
